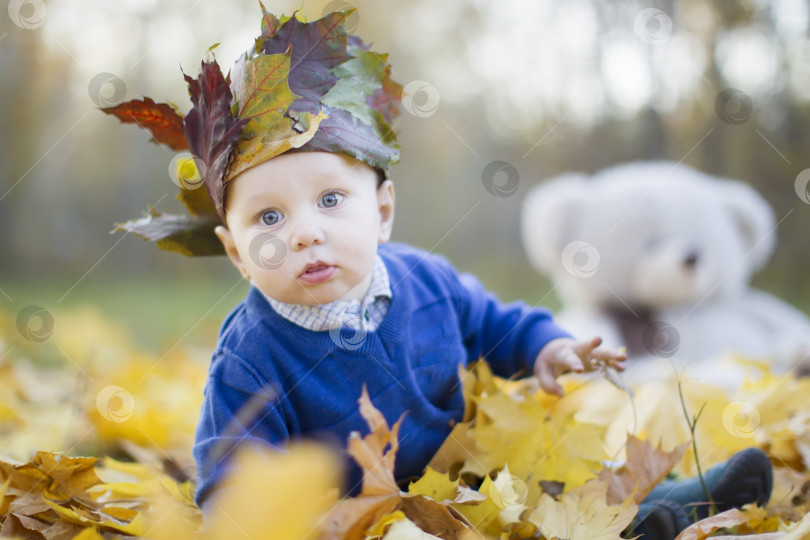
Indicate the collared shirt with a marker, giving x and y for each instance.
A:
(366, 315)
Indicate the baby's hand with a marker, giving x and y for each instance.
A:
(564, 354)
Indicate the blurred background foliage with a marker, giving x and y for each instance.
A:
(545, 86)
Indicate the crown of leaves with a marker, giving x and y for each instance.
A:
(302, 86)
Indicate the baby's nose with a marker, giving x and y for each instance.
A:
(306, 234)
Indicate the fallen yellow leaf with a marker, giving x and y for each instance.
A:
(583, 514)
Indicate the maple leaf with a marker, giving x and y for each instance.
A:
(405, 529)
(273, 495)
(380, 497)
(377, 530)
(800, 530)
(189, 235)
(789, 498)
(49, 495)
(583, 514)
(537, 445)
(197, 202)
(435, 518)
(387, 98)
(352, 518)
(210, 129)
(760, 520)
(187, 176)
(435, 485)
(645, 467)
(62, 475)
(705, 527)
(457, 447)
(495, 505)
(480, 510)
(342, 132)
(359, 78)
(263, 99)
(370, 451)
(161, 119)
(88, 534)
(270, 25)
(263, 95)
(318, 51)
(380, 494)
(658, 416)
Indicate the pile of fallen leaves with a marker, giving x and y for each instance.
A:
(521, 465)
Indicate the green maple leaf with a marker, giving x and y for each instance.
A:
(263, 99)
(358, 79)
(270, 25)
(189, 235)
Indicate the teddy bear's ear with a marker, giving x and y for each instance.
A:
(546, 217)
(755, 219)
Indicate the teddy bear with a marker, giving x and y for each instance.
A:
(658, 257)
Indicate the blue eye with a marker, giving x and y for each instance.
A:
(271, 217)
(330, 200)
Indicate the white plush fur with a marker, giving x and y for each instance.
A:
(663, 238)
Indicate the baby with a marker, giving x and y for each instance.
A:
(338, 309)
(295, 152)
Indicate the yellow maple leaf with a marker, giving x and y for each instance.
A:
(790, 498)
(378, 529)
(457, 447)
(407, 530)
(705, 527)
(273, 495)
(88, 534)
(370, 451)
(759, 520)
(583, 514)
(658, 416)
(537, 445)
(435, 485)
(645, 467)
(380, 497)
(481, 512)
(799, 530)
(54, 488)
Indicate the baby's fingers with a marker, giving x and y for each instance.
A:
(610, 357)
(570, 362)
(548, 380)
(583, 348)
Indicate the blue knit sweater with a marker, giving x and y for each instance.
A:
(271, 381)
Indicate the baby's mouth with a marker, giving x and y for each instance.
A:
(317, 272)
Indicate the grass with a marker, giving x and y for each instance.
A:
(154, 312)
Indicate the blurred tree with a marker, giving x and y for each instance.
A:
(546, 86)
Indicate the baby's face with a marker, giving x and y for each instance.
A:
(305, 226)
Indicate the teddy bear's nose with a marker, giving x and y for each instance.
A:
(691, 260)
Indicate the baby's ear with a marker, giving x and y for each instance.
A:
(546, 219)
(385, 205)
(226, 238)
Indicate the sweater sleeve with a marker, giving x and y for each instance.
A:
(238, 408)
(508, 336)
